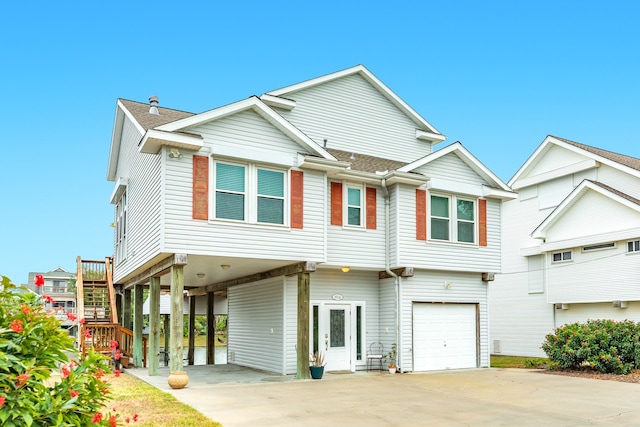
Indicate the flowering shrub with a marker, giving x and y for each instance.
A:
(604, 345)
(33, 346)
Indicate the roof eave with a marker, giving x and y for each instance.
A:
(154, 139)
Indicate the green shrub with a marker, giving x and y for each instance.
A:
(604, 345)
(33, 346)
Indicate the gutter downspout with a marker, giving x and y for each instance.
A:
(387, 255)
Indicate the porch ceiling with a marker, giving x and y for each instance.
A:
(205, 270)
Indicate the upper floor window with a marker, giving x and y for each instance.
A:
(633, 246)
(121, 229)
(561, 256)
(452, 219)
(354, 205)
(249, 193)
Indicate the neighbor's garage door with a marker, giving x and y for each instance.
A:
(444, 336)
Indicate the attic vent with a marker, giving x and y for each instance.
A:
(153, 102)
(619, 304)
(560, 306)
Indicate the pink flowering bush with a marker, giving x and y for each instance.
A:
(604, 345)
(33, 346)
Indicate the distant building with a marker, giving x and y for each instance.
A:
(61, 286)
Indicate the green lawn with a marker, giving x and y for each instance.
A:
(517, 362)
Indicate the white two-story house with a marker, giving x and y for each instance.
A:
(571, 247)
(324, 213)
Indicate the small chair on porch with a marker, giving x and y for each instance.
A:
(375, 355)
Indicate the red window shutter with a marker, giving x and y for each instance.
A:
(297, 198)
(336, 203)
(482, 222)
(200, 187)
(371, 208)
(421, 214)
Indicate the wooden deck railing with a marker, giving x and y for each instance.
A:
(101, 335)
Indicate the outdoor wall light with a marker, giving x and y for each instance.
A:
(225, 266)
(345, 269)
(200, 275)
(174, 153)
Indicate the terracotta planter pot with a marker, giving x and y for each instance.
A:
(178, 379)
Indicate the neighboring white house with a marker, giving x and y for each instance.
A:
(571, 248)
(329, 187)
(60, 285)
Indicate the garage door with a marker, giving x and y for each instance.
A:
(444, 336)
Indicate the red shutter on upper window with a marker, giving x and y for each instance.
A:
(297, 198)
(421, 214)
(336, 203)
(371, 208)
(200, 187)
(482, 222)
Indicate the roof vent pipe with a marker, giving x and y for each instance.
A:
(154, 101)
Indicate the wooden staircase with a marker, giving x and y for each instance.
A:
(97, 306)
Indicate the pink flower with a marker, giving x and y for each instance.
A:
(49, 299)
(39, 280)
(71, 316)
(2, 399)
(117, 372)
(114, 344)
(25, 309)
(81, 321)
(87, 333)
(16, 326)
(65, 372)
(112, 421)
(99, 373)
(135, 417)
(97, 417)
(22, 379)
(74, 393)
(118, 355)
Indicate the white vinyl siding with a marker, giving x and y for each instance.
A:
(256, 325)
(428, 287)
(535, 274)
(145, 176)
(356, 288)
(353, 116)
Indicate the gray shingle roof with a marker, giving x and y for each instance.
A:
(140, 112)
(364, 163)
(628, 161)
(618, 192)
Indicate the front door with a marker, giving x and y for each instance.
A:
(335, 336)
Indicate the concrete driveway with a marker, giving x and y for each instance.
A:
(478, 397)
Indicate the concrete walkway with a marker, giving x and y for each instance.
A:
(481, 397)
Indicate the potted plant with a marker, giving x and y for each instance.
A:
(392, 359)
(316, 365)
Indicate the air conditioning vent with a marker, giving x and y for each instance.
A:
(560, 306)
(488, 277)
(620, 304)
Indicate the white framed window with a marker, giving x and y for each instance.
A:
(561, 256)
(121, 229)
(249, 193)
(633, 246)
(452, 219)
(354, 205)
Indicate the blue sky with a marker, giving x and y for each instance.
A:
(497, 76)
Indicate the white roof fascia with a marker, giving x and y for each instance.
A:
(154, 139)
(495, 193)
(540, 231)
(358, 176)
(466, 156)
(613, 236)
(415, 179)
(118, 190)
(278, 102)
(429, 136)
(373, 80)
(116, 138)
(551, 140)
(261, 109)
(556, 173)
(318, 163)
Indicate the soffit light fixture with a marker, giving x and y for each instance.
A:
(345, 269)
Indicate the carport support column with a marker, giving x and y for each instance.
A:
(137, 326)
(211, 331)
(177, 316)
(192, 329)
(303, 326)
(126, 309)
(154, 326)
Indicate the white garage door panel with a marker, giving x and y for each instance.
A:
(444, 336)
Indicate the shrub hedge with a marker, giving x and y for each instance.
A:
(607, 346)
